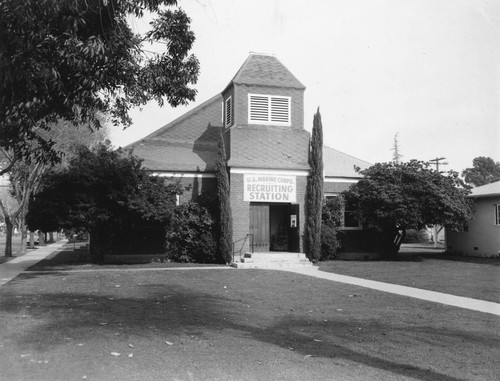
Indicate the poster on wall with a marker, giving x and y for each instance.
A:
(269, 188)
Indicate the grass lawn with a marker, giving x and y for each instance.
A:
(227, 324)
(469, 277)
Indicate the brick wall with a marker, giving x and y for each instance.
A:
(240, 210)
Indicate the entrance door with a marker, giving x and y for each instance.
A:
(279, 218)
(275, 227)
(259, 226)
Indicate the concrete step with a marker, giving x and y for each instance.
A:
(270, 265)
(274, 255)
(272, 260)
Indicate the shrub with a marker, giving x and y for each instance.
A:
(331, 215)
(189, 235)
(329, 243)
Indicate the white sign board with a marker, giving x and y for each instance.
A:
(269, 188)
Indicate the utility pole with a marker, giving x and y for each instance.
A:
(436, 161)
(437, 229)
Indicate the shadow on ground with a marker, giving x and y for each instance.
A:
(170, 309)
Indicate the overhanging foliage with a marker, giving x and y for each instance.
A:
(71, 60)
(102, 192)
(395, 197)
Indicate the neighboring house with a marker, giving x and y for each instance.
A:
(482, 236)
(261, 115)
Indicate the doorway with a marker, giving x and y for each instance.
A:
(275, 227)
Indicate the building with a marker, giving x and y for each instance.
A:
(482, 235)
(261, 115)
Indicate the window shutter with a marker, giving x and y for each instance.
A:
(227, 113)
(259, 108)
(269, 109)
(280, 110)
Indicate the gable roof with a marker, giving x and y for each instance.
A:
(339, 164)
(265, 70)
(492, 189)
(187, 144)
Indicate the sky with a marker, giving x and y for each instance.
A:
(426, 70)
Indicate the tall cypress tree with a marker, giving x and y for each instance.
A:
(315, 191)
(225, 221)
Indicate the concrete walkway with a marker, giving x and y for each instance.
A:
(431, 296)
(9, 270)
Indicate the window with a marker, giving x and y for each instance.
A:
(349, 217)
(228, 120)
(497, 214)
(351, 220)
(269, 109)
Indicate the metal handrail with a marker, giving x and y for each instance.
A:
(243, 244)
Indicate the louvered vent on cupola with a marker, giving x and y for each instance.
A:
(269, 109)
(228, 120)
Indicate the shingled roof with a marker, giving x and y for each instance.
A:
(265, 70)
(262, 147)
(339, 164)
(491, 189)
(187, 144)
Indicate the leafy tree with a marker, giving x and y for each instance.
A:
(225, 222)
(25, 174)
(71, 60)
(484, 171)
(24, 180)
(101, 191)
(315, 191)
(395, 197)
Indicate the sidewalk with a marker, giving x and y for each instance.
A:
(431, 296)
(11, 269)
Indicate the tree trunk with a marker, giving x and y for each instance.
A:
(24, 236)
(392, 242)
(41, 238)
(96, 248)
(9, 228)
(32, 240)
(51, 237)
(400, 236)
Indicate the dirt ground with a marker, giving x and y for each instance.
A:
(228, 324)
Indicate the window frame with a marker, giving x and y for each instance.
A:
(342, 224)
(496, 216)
(273, 112)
